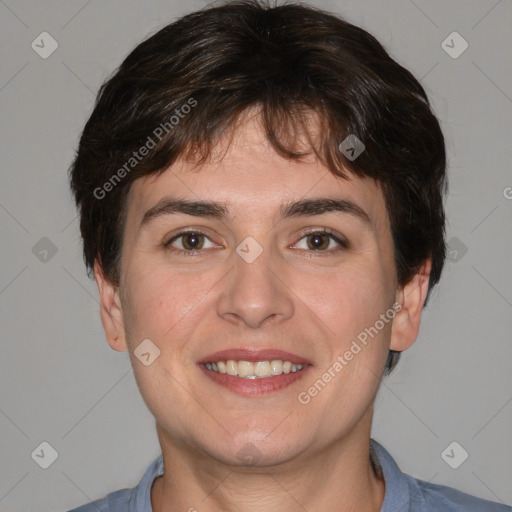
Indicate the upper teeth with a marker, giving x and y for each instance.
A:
(249, 370)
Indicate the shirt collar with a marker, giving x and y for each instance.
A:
(403, 493)
(140, 501)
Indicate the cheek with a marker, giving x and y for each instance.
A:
(160, 307)
(162, 301)
(350, 299)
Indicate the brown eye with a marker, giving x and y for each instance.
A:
(188, 243)
(192, 241)
(322, 241)
(318, 241)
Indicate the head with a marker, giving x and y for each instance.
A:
(248, 106)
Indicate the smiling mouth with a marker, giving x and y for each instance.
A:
(254, 370)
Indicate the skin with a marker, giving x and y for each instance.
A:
(310, 457)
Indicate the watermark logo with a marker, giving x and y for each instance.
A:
(146, 352)
(456, 249)
(44, 45)
(249, 454)
(44, 250)
(44, 455)
(249, 249)
(454, 455)
(351, 147)
(454, 45)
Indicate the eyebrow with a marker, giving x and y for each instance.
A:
(215, 210)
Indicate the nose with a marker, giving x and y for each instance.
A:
(255, 293)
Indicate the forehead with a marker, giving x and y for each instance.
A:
(254, 182)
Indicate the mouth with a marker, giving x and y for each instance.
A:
(254, 372)
(257, 370)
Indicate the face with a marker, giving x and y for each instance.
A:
(258, 278)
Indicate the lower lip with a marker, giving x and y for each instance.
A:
(255, 387)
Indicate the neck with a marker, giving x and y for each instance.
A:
(337, 477)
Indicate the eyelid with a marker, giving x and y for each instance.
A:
(184, 232)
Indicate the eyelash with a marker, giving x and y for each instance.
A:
(324, 231)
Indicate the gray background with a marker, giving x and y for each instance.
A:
(61, 383)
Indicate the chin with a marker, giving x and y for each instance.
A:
(252, 448)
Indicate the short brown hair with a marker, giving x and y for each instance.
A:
(287, 60)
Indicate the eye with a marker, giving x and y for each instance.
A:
(190, 242)
(323, 240)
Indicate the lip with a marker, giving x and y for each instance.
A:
(254, 355)
(254, 387)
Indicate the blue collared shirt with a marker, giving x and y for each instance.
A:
(403, 493)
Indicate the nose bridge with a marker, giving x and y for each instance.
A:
(255, 292)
